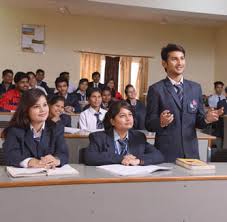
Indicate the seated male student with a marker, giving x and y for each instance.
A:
(7, 81)
(119, 144)
(220, 123)
(40, 75)
(95, 83)
(71, 87)
(71, 101)
(10, 99)
(91, 119)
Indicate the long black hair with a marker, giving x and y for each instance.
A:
(21, 118)
(113, 111)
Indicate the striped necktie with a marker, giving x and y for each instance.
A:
(180, 91)
(123, 146)
(99, 123)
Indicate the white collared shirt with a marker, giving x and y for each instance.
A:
(214, 99)
(39, 87)
(36, 134)
(88, 120)
(174, 82)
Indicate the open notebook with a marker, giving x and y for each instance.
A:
(132, 170)
(29, 172)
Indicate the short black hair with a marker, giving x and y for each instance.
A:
(64, 73)
(114, 110)
(61, 79)
(127, 87)
(106, 88)
(54, 99)
(31, 73)
(93, 90)
(218, 83)
(4, 72)
(39, 70)
(19, 76)
(95, 74)
(171, 48)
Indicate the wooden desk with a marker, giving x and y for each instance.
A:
(5, 117)
(76, 142)
(97, 196)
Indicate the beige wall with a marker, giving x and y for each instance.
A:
(66, 33)
(221, 55)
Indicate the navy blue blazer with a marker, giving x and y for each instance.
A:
(3, 88)
(100, 85)
(220, 124)
(65, 120)
(179, 139)
(19, 144)
(101, 149)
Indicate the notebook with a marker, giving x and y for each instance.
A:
(122, 170)
(30, 172)
(194, 164)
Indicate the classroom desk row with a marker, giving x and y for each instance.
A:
(97, 196)
(78, 141)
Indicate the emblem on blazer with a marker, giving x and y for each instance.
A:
(193, 105)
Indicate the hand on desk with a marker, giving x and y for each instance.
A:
(166, 118)
(212, 115)
(69, 109)
(130, 160)
(47, 161)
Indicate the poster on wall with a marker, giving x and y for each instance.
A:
(33, 38)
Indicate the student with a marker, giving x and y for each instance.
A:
(40, 75)
(119, 144)
(81, 92)
(138, 107)
(91, 119)
(95, 83)
(115, 95)
(10, 99)
(31, 140)
(215, 98)
(175, 109)
(33, 82)
(106, 98)
(56, 107)
(71, 102)
(71, 87)
(7, 81)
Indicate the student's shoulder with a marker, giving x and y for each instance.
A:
(136, 134)
(98, 135)
(158, 84)
(15, 131)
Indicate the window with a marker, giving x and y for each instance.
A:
(134, 71)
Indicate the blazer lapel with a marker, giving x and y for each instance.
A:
(44, 142)
(172, 92)
(28, 139)
(187, 92)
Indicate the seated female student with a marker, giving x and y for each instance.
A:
(118, 144)
(91, 119)
(115, 95)
(106, 98)
(31, 140)
(81, 92)
(56, 109)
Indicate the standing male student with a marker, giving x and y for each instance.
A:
(175, 108)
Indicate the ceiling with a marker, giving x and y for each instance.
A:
(131, 10)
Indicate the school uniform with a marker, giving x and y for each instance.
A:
(179, 138)
(96, 85)
(21, 144)
(104, 148)
(3, 88)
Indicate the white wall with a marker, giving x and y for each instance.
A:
(66, 33)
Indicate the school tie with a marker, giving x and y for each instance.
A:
(123, 146)
(219, 98)
(99, 123)
(37, 141)
(180, 91)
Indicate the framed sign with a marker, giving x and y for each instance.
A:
(33, 38)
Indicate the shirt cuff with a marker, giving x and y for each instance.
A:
(24, 163)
